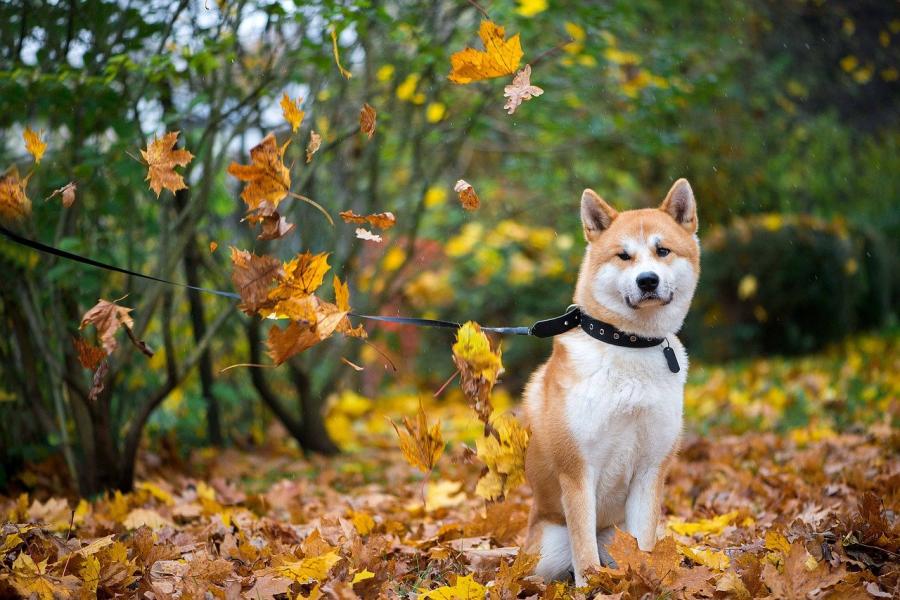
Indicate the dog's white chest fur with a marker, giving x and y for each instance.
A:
(624, 410)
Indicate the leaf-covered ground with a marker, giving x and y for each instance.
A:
(791, 491)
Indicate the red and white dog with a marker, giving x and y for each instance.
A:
(606, 419)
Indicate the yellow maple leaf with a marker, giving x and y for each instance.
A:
(268, 180)
(479, 365)
(313, 568)
(291, 111)
(14, 202)
(162, 158)
(465, 588)
(31, 579)
(420, 444)
(302, 276)
(34, 144)
(90, 574)
(503, 453)
(500, 56)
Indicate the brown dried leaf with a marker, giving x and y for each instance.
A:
(315, 141)
(275, 227)
(252, 275)
(89, 355)
(367, 120)
(467, 195)
(520, 90)
(107, 317)
(420, 444)
(68, 194)
(162, 158)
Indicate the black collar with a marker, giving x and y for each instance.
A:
(599, 330)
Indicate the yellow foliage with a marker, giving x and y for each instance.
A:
(714, 559)
(504, 456)
(703, 527)
(500, 56)
(465, 588)
(34, 144)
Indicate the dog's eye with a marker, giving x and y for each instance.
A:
(624, 255)
(662, 251)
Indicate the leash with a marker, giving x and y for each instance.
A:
(573, 317)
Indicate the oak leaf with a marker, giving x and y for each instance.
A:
(421, 444)
(67, 192)
(268, 180)
(500, 56)
(107, 317)
(162, 158)
(291, 111)
(467, 195)
(14, 202)
(479, 365)
(253, 275)
(315, 141)
(384, 220)
(367, 117)
(34, 144)
(520, 90)
(365, 234)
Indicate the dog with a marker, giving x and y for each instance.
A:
(605, 419)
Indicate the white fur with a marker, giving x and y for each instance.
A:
(556, 555)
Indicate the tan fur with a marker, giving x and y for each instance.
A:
(555, 465)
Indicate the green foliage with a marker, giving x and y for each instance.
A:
(780, 285)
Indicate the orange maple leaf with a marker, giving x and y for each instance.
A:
(14, 203)
(500, 56)
(302, 276)
(107, 317)
(34, 144)
(421, 444)
(384, 220)
(268, 180)
(162, 158)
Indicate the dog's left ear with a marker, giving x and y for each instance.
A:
(680, 204)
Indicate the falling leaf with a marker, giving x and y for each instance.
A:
(520, 90)
(384, 220)
(467, 195)
(291, 111)
(162, 158)
(89, 355)
(14, 203)
(367, 120)
(503, 454)
(301, 276)
(479, 366)
(107, 317)
(275, 227)
(252, 275)
(465, 588)
(500, 56)
(98, 381)
(34, 144)
(420, 444)
(68, 194)
(213, 246)
(337, 55)
(315, 141)
(365, 234)
(268, 180)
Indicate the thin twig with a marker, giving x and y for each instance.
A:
(480, 9)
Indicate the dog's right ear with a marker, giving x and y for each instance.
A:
(596, 215)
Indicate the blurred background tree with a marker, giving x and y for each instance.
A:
(782, 114)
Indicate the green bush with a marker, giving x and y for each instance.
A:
(787, 284)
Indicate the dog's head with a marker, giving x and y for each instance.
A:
(641, 266)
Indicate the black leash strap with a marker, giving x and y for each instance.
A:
(101, 265)
(542, 329)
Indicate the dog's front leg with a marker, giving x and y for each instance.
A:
(579, 500)
(642, 508)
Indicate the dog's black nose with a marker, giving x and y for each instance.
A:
(648, 281)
